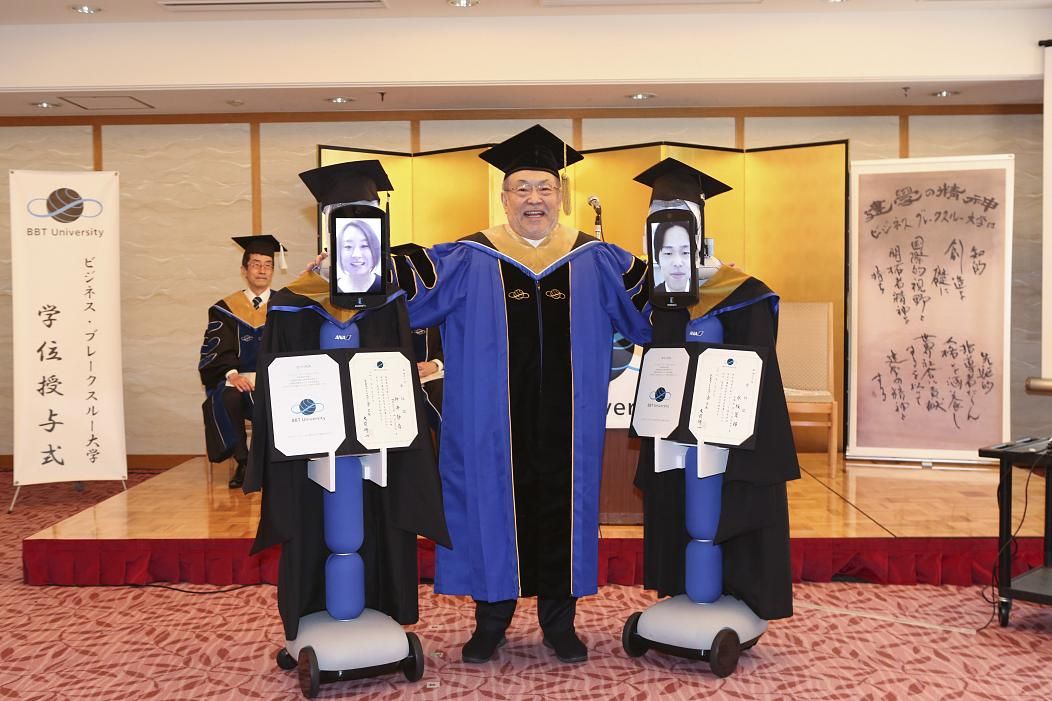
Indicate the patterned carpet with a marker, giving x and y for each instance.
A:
(847, 641)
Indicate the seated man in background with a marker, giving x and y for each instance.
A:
(228, 355)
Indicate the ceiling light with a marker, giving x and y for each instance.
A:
(641, 96)
(45, 105)
(463, 3)
(340, 100)
(945, 93)
(85, 9)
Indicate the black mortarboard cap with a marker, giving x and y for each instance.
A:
(263, 243)
(353, 181)
(533, 149)
(675, 180)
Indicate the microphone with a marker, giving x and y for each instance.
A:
(593, 202)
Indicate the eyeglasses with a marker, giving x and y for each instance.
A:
(523, 190)
(256, 265)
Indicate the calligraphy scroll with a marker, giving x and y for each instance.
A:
(930, 305)
(68, 389)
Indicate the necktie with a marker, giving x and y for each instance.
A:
(256, 301)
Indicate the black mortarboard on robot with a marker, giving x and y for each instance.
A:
(353, 181)
(675, 180)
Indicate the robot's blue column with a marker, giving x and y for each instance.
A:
(344, 532)
(344, 521)
(704, 564)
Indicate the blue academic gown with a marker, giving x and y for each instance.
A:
(527, 336)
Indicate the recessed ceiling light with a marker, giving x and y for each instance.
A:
(945, 93)
(463, 3)
(45, 105)
(85, 9)
(340, 100)
(235, 102)
(641, 96)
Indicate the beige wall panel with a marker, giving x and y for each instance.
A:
(870, 137)
(185, 190)
(795, 229)
(442, 134)
(288, 210)
(604, 133)
(28, 148)
(1020, 135)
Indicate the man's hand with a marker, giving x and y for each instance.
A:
(426, 368)
(241, 384)
(315, 265)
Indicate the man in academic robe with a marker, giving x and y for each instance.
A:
(753, 529)
(527, 312)
(301, 318)
(228, 355)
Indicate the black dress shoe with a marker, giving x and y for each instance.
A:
(568, 647)
(482, 646)
(239, 477)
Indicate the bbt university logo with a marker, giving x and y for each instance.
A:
(64, 205)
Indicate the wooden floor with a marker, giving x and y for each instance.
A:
(192, 501)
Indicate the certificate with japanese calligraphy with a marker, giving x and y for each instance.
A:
(384, 403)
(726, 395)
(66, 323)
(930, 307)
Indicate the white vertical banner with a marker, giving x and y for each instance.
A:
(65, 264)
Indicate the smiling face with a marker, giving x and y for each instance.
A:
(356, 257)
(531, 203)
(674, 259)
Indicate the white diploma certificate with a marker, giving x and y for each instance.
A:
(384, 406)
(306, 405)
(659, 398)
(726, 394)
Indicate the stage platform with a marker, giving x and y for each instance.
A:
(854, 521)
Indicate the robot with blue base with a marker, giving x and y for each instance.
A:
(347, 640)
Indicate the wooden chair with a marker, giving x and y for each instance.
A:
(805, 356)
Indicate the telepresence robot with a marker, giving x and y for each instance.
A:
(702, 623)
(347, 640)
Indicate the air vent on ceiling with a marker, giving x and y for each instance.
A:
(107, 102)
(252, 5)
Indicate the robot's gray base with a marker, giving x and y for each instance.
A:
(716, 632)
(328, 650)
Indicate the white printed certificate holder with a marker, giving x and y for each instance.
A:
(340, 402)
(719, 387)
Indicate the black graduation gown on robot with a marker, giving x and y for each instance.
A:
(754, 518)
(291, 513)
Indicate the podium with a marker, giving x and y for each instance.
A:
(1035, 585)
